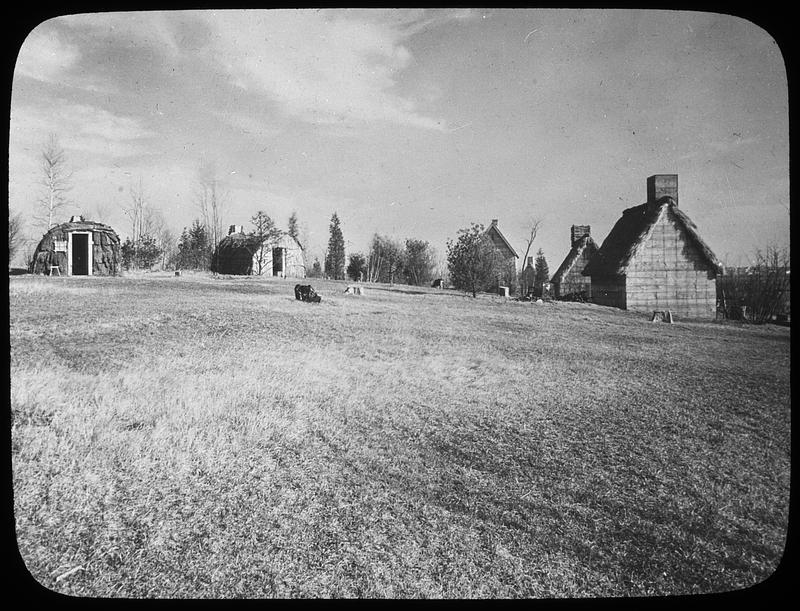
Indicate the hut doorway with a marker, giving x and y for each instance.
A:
(80, 254)
(279, 262)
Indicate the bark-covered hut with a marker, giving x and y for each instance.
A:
(235, 253)
(78, 248)
(569, 281)
(654, 259)
(242, 254)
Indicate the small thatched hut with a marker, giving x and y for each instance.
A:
(78, 248)
(654, 259)
(241, 254)
(569, 281)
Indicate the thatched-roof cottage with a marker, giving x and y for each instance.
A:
(654, 259)
(569, 281)
(78, 248)
(507, 254)
(241, 254)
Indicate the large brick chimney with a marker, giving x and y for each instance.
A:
(660, 185)
(577, 232)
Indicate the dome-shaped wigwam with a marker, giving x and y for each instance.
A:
(243, 254)
(235, 253)
(78, 248)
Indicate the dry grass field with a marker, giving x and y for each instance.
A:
(208, 437)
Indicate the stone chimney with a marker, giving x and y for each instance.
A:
(494, 222)
(530, 261)
(660, 185)
(577, 232)
(235, 229)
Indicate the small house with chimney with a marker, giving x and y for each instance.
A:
(507, 255)
(655, 260)
(568, 282)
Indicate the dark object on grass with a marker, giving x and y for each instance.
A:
(305, 292)
(437, 284)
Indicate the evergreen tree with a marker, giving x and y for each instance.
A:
(294, 228)
(357, 267)
(194, 250)
(335, 257)
(542, 273)
(141, 254)
(316, 270)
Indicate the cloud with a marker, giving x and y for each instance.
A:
(90, 129)
(154, 29)
(320, 67)
(246, 123)
(45, 56)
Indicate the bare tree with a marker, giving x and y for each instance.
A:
(56, 179)
(440, 270)
(210, 200)
(148, 224)
(760, 292)
(525, 283)
(136, 211)
(535, 223)
(155, 225)
(14, 234)
(100, 211)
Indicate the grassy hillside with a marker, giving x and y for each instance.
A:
(214, 437)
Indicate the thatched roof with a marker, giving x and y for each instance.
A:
(499, 239)
(633, 229)
(581, 244)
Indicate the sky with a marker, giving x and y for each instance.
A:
(411, 123)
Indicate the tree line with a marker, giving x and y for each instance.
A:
(151, 243)
(473, 264)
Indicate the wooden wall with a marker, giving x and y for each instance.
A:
(574, 281)
(609, 291)
(669, 273)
